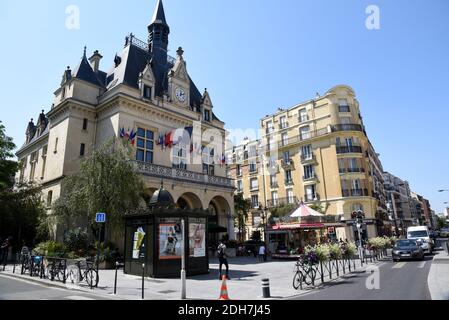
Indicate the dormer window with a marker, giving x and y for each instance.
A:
(147, 92)
(207, 115)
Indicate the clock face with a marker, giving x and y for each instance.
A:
(180, 94)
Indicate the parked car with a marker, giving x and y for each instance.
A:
(408, 249)
(443, 233)
(421, 233)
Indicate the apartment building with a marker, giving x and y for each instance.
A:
(317, 152)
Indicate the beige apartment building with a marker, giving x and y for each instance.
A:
(317, 152)
(146, 94)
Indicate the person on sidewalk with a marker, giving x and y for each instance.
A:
(262, 253)
(222, 257)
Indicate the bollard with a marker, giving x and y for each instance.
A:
(15, 261)
(115, 281)
(266, 288)
(322, 273)
(143, 281)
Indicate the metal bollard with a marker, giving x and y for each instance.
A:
(115, 281)
(15, 261)
(143, 281)
(266, 288)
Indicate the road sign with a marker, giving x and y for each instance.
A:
(100, 217)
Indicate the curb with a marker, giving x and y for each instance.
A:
(438, 278)
(58, 285)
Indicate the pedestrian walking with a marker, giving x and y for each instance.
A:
(5, 250)
(262, 253)
(222, 257)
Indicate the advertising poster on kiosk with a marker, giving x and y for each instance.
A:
(197, 240)
(138, 244)
(170, 241)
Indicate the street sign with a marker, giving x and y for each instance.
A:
(100, 217)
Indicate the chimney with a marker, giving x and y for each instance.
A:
(95, 61)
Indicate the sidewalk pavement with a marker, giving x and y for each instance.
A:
(438, 278)
(246, 275)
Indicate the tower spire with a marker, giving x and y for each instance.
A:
(159, 14)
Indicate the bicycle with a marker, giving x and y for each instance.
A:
(56, 269)
(304, 272)
(83, 270)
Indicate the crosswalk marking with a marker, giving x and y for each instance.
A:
(399, 265)
(422, 264)
(78, 298)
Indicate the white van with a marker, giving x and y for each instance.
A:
(421, 233)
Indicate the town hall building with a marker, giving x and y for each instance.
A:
(145, 96)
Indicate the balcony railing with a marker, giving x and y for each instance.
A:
(312, 177)
(304, 136)
(282, 201)
(269, 130)
(308, 158)
(347, 127)
(349, 149)
(287, 164)
(289, 182)
(274, 185)
(283, 125)
(354, 192)
(312, 198)
(153, 170)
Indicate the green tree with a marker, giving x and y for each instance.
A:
(241, 209)
(441, 222)
(8, 167)
(106, 182)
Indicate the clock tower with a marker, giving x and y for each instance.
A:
(179, 81)
(158, 36)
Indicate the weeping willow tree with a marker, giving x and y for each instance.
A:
(106, 182)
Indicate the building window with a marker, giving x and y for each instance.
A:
(310, 192)
(208, 161)
(239, 170)
(84, 124)
(56, 146)
(353, 166)
(273, 181)
(309, 172)
(274, 198)
(284, 138)
(303, 117)
(252, 151)
(239, 185)
(306, 152)
(255, 201)
(82, 149)
(23, 163)
(44, 161)
(304, 133)
(270, 127)
(180, 157)
(254, 184)
(252, 167)
(286, 157)
(283, 122)
(288, 177)
(206, 115)
(49, 198)
(145, 145)
(147, 92)
(33, 162)
(290, 196)
(356, 207)
(343, 105)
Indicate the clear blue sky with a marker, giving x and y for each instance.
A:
(257, 55)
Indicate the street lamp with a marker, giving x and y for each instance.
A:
(263, 216)
(389, 206)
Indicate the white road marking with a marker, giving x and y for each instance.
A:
(78, 298)
(422, 264)
(399, 265)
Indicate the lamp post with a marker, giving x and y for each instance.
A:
(263, 217)
(392, 208)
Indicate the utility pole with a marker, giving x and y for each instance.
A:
(183, 262)
(393, 205)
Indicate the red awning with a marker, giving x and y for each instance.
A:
(292, 226)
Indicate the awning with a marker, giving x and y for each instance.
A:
(215, 228)
(304, 211)
(293, 226)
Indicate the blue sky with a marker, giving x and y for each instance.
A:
(255, 56)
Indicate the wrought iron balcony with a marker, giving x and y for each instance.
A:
(288, 164)
(312, 177)
(303, 118)
(282, 201)
(354, 192)
(283, 125)
(308, 158)
(163, 172)
(347, 127)
(349, 149)
(304, 136)
(312, 198)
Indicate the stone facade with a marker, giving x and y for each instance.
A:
(146, 93)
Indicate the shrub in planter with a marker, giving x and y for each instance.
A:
(335, 251)
(76, 240)
(50, 249)
(321, 251)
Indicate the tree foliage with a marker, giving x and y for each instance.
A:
(106, 182)
(241, 209)
(8, 167)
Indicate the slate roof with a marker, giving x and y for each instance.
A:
(85, 72)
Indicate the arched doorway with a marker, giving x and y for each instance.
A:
(219, 220)
(189, 201)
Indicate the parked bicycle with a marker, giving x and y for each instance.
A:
(83, 271)
(56, 269)
(305, 271)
